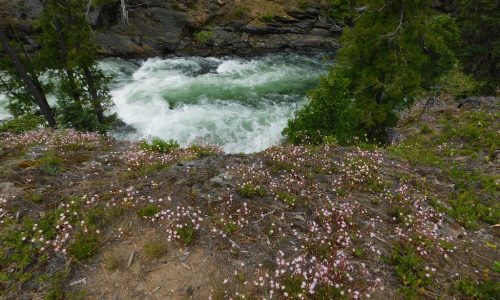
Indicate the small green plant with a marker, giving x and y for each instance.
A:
(425, 129)
(155, 248)
(293, 286)
(230, 227)
(34, 197)
(203, 37)
(159, 145)
(186, 233)
(359, 252)
(470, 289)
(341, 192)
(51, 163)
(287, 198)
(112, 261)
(250, 191)
(410, 268)
(240, 12)
(303, 4)
(267, 17)
(84, 246)
(148, 211)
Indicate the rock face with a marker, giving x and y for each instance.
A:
(190, 27)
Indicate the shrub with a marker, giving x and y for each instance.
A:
(331, 112)
(391, 54)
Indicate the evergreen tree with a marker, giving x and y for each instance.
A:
(69, 51)
(479, 22)
(21, 82)
(395, 49)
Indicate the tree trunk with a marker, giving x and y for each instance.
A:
(96, 103)
(32, 84)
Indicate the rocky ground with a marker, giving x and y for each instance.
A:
(193, 27)
(84, 216)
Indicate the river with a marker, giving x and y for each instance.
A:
(239, 104)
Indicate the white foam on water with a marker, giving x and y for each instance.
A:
(4, 114)
(240, 105)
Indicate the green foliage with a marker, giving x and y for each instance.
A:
(84, 246)
(21, 101)
(457, 84)
(410, 268)
(148, 211)
(331, 112)
(303, 4)
(479, 21)
(155, 249)
(159, 145)
(288, 198)
(51, 163)
(230, 227)
(267, 17)
(240, 12)
(186, 233)
(486, 290)
(393, 51)
(467, 209)
(204, 36)
(34, 197)
(22, 124)
(343, 11)
(202, 151)
(251, 191)
(69, 53)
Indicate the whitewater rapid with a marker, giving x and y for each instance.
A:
(242, 105)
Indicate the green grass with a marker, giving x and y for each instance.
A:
(155, 248)
(84, 246)
(470, 289)
(186, 233)
(51, 163)
(148, 211)
(203, 37)
(455, 148)
(250, 191)
(267, 17)
(288, 198)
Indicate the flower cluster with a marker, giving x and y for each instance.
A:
(60, 231)
(61, 139)
(231, 215)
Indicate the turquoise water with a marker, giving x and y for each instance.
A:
(239, 104)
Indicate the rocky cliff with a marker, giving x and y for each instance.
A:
(192, 27)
